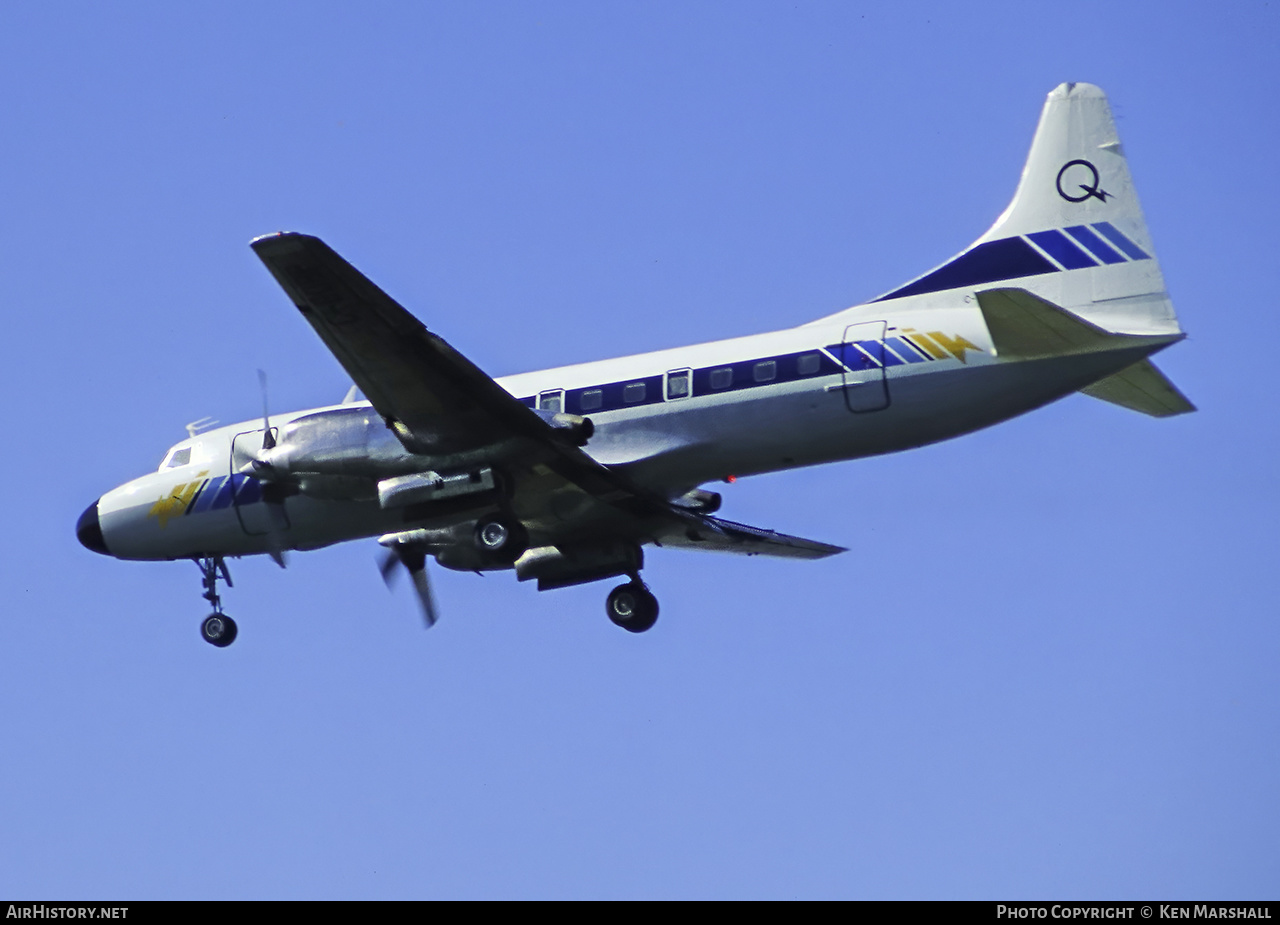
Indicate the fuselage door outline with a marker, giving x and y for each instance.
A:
(863, 354)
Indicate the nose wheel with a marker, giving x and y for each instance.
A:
(217, 629)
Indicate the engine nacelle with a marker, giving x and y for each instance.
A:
(554, 567)
(419, 487)
(341, 441)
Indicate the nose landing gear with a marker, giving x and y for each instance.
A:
(217, 629)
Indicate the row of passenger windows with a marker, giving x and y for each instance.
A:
(681, 383)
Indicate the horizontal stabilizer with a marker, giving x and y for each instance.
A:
(1142, 387)
(1025, 327)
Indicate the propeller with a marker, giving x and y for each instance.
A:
(268, 438)
(414, 560)
(273, 494)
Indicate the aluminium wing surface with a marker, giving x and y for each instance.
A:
(431, 396)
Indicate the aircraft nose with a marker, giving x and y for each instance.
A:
(89, 530)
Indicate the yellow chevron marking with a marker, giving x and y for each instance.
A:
(956, 346)
(925, 343)
(175, 502)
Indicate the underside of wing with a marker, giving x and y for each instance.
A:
(435, 399)
(713, 534)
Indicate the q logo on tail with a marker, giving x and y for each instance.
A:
(1091, 189)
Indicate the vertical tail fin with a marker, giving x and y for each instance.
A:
(1074, 233)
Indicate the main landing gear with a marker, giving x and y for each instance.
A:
(217, 629)
(632, 606)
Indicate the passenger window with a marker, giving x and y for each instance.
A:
(552, 401)
(765, 371)
(722, 378)
(678, 384)
(178, 458)
(592, 399)
(633, 392)
(808, 363)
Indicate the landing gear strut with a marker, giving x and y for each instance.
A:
(632, 606)
(217, 629)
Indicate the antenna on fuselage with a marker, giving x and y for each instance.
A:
(203, 424)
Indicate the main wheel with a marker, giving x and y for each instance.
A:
(501, 539)
(632, 607)
(219, 630)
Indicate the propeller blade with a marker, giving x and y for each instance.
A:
(387, 566)
(422, 584)
(277, 522)
(268, 439)
(414, 561)
(272, 495)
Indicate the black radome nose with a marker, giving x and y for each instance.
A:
(89, 530)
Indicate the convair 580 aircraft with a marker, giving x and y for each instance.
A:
(565, 475)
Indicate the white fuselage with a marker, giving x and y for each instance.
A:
(856, 384)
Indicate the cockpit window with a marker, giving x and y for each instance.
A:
(176, 458)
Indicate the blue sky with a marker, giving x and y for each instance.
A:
(1046, 668)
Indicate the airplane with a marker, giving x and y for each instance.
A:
(565, 475)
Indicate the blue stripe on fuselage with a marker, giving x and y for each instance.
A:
(208, 495)
(727, 377)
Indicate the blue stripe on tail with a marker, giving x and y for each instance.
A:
(1112, 234)
(1062, 249)
(1008, 258)
(1096, 245)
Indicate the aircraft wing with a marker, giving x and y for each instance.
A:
(716, 535)
(434, 398)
